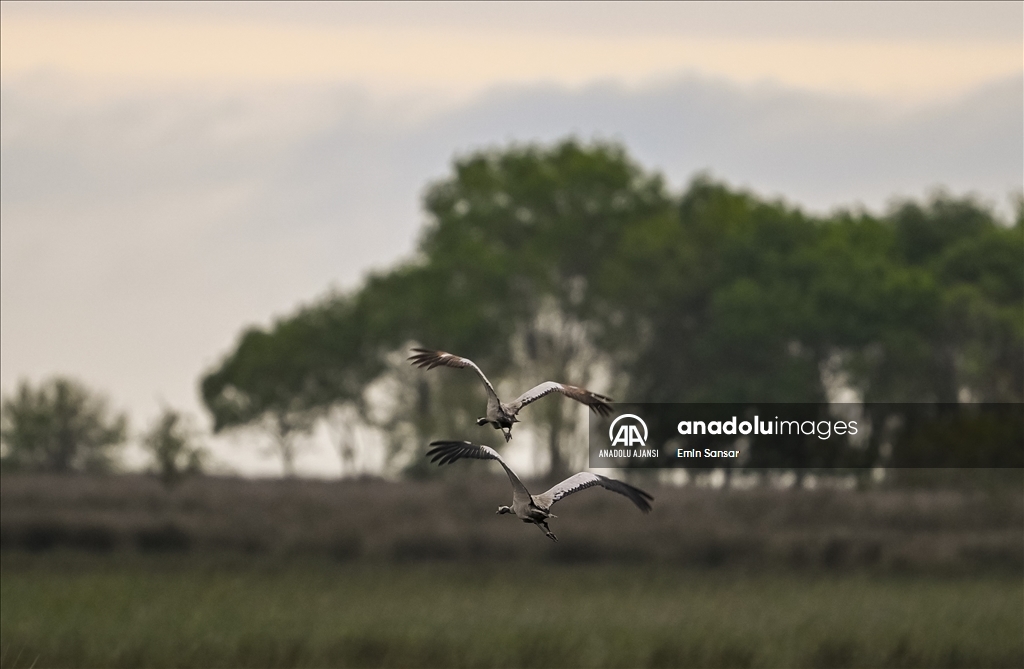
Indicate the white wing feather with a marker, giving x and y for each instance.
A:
(585, 480)
(597, 403)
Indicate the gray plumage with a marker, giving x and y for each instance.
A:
(529, 508)
(499, 414)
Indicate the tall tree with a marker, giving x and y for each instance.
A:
(530, 228)
(503, 274)
(279, 381)
(716, 301)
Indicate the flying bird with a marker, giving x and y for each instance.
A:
(500, 415)
(529, 508)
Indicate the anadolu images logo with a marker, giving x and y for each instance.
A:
(628, 433)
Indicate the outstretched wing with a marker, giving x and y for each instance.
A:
(583, 480)
(597, 403)
(429, 359)
(445, 452)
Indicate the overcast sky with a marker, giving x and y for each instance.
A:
(172, 173)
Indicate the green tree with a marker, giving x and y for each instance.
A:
(280, 381)
(503, 274)
(528, 230)
(59, 426)
(949, 325)
(716, 302)
(174, 446)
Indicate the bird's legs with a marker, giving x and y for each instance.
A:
(508, 434)
(547, 530)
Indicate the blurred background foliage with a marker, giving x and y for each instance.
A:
(572, 262)
(173, 443)
(60, 426)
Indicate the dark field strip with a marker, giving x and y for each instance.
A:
(73, 610)
(945, 530)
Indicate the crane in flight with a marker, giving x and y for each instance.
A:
(529, 508)
(500, 415)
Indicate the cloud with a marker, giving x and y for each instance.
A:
(878, 52)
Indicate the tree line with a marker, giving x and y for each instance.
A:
(63, 426)
(572, 262)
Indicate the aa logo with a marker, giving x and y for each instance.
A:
(628, 433)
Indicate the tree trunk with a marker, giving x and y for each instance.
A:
(285, 446)
(287, 457)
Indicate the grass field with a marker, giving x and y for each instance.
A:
(69, 610)
(122, 572)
